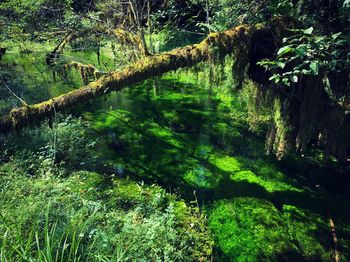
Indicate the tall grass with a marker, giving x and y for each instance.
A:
(42, 244)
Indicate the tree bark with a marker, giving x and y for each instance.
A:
(151, 66)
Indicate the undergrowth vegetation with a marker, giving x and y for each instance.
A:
(52, 213)
(87, 217)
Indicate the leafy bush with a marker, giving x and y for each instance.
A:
(229, 13)
(304, 53)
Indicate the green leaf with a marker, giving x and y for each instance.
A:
(284, 50)
(309, 31)
(266, 62)
(275, 78)
(320, 39)
(286, 81)
(301, 51)
(314, 68)
(336, 35)
(295, 30)
(306, 72)
(295, 79)
(281, 64)
(327, 82)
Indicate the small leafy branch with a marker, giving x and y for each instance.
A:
(305, 53)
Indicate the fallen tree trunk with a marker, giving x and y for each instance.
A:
(216, 44)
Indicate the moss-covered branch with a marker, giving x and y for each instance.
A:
(52, 56)
(70, 37)
(222, 43)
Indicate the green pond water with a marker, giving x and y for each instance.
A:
(193, 139)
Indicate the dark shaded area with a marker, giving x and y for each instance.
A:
(2, 52)
(83, 6)
(185, 14)
(263, 46)
(291, 256)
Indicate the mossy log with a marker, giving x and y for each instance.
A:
(222, 43)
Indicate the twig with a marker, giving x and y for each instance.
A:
(207, 10)
(335, 240)
(54, 132)
(13, 93)
(42, 73)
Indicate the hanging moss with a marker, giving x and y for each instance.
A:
(86, 71)
(281, 141)
(130, 40)
(241, 61)
(299, 116)
(257, 102)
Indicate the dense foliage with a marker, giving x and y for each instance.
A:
(242, 157)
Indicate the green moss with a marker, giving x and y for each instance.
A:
(165, 135)
(225, 163)
(250, 229)
(268, 185)
(129, 194)
(247, 229)
(200, 176)
(181, 136)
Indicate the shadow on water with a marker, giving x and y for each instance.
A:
(182, 129)
(177, 135)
